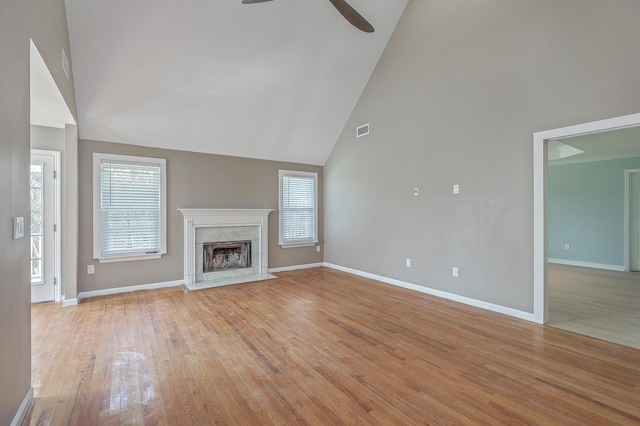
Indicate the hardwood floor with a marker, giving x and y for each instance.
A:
(595, 302)
(317, 347)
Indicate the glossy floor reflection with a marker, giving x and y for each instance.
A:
(317, 346)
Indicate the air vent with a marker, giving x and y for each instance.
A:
(362, 130)
(65, 64)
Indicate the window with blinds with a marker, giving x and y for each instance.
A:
(129, 207)
(298, 208)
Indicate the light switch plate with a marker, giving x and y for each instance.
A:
(18, 227)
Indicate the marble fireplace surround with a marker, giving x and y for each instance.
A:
(195, 219)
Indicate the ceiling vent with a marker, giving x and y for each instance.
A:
(362, 130)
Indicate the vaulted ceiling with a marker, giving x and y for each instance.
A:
(274, 80)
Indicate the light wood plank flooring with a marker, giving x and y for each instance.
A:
(317, 347)
(595, 302)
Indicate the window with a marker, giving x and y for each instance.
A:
(37, 184)
(298, 208)
(129, 207)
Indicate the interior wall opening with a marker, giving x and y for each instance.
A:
(541, 236)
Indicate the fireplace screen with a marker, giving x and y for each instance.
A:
(224, 256)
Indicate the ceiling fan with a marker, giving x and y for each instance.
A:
(345, 9)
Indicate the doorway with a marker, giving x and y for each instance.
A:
(49, 112)
(540, 141)
(45, 243)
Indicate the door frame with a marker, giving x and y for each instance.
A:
(627, 217)
(540, 225)
(57, 240)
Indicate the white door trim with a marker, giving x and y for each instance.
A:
(56, 220)
(627, 217)
(540, 302)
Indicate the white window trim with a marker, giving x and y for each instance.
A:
(97, 237)
(314, 175)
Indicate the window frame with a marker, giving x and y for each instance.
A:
(98, 158)
(305, 243)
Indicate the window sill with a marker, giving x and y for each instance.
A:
(296, 245)
(114, 259)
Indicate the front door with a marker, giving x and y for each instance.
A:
(43, 198)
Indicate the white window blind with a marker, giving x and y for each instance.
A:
(298, 209)
(131, 217)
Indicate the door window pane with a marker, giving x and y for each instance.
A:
(36, 222)
(36, 271)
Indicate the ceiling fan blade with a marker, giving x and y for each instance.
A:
(351, 15)
(254, 1)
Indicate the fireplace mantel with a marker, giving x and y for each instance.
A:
(211, 218)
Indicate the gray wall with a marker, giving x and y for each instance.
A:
(45, 22)
(193, 181)
(15, 332)
(455, 99)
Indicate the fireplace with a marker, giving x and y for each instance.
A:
(226, 255)
(225, 246)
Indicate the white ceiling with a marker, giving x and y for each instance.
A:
(274, 80)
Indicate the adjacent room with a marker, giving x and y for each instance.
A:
(594, 244)
(319, 212)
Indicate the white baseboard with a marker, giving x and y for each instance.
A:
(296, 267)
(24, 409)
(587, 264)
(456, 298)
(118, 290)
(69, 302)
(450, 296)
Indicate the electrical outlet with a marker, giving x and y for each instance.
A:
(454, 272)
(317, 249)
(456, 189)
(408, 263)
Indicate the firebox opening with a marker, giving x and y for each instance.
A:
(226, 255)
